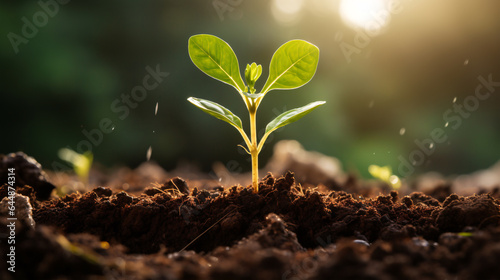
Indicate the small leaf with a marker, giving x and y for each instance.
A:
(292, 116)
(217, 111)
(215, 58)
(292, 65)
(252, 74)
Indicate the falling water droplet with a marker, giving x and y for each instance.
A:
(370, 105)
(455, 99)
(431, 145)
(156, 108)
(148, 153)
(402, 131)
(446, 124)
(112, 128)
(466, 62)
(153, 131)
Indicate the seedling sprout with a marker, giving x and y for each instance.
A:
(81, 162)
(292, 66)
(385, 174)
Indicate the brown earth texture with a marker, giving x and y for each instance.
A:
(182, 229)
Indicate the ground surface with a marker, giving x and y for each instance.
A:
(176, 230)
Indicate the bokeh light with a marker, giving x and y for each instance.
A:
(286, 11)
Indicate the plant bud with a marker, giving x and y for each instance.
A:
(252, 74)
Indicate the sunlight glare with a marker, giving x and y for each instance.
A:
(370, 15)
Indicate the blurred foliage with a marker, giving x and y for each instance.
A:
(66, 77)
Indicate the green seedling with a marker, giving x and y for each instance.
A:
(81, 162)
(465, 234)
(292, 66)
(385, 174)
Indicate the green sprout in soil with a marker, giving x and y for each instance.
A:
(81, 162)
(384, 173)
(292, 66)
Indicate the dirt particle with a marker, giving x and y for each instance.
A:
(194, 192)
(450, 199)
(268, 180)
(419, 197)
(176, 183)
(122, 198)
(387, 200)
(285, 182)
(407, 201)
(103, 192)
(394, 196)
(152, 191)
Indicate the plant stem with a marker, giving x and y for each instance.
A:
(254, 151)
(255, 171)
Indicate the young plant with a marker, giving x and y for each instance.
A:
(81, 163)
(384, 173)
(292, 66)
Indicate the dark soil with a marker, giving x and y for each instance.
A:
(178, 231)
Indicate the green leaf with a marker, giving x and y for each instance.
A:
(217, 111)
(215, 58)
(291, 116)
(292, 65)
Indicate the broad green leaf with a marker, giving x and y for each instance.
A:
(217, 111)
(291, 116)
(215, 58)
(292, 65)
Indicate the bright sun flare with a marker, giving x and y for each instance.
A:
(367, 14)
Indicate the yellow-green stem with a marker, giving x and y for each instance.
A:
(255, 171)
(254, 151)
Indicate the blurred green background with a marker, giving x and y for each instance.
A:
(389, 71)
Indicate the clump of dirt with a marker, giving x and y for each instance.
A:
(27, 172)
